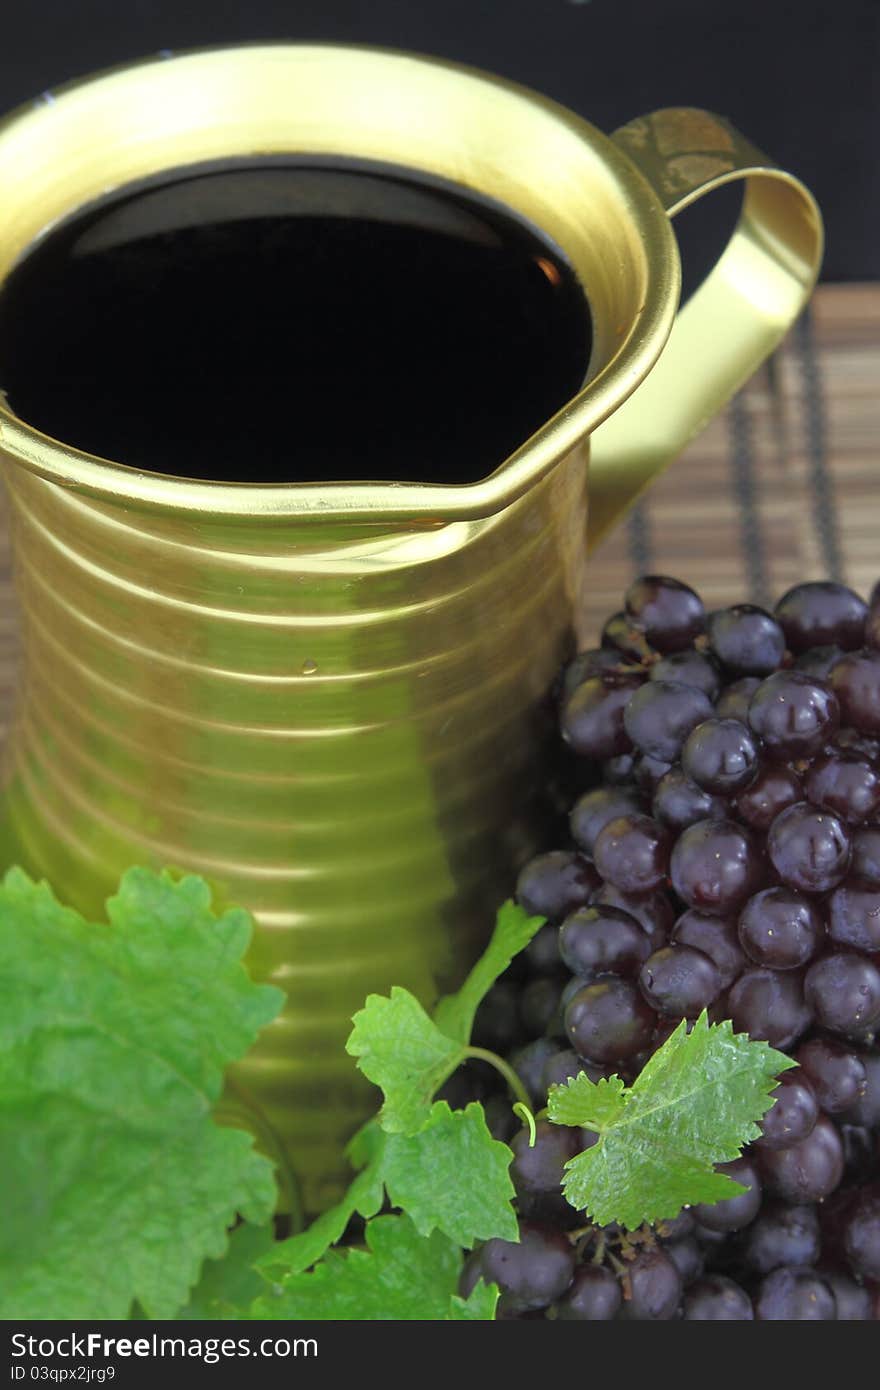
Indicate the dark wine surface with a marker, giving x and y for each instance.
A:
(293, 323)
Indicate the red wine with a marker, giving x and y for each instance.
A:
(284, 322)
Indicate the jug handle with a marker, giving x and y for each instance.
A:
(735, 319)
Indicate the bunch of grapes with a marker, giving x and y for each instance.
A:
(724, 856)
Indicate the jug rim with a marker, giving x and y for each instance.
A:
(622, 357)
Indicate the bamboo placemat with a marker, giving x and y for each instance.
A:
(784, 486)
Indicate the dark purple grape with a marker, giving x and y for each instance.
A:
(855, 680)
(609, 1021)
(501, 1122)
(865, 863)
(848, 740)
(716, 937)
(602, 940)
(632, 853)
(496, 1024)
(679, 802)
(592, 812)
(652, 910)
(531, 1272)
(571, 989)
(589, 1137)
(793, 714)
(775, 787)
(734, 700)
(733, 1213)
(552, 885)
(622, 636)
(619, 771)
(539, 1006)
(561, 1067)
(858, 1152)
(820, 613)
(817, 662)
(809, 849)
(746, 640)
(854, 915)
(836, 1073)
(720, 755)
(592, 663)
(843, 991)
(676, 1227)
(679, 981)
(471, 1273)
(853, 1302)
(861, 1233)
(592, 717)
(715, 1298)
(529, 1061)
(807, 1171)
(782, 1235)
(711, 1241)
(795, 1295)
(769, 1005)
(689, 668)
(648, 774)
(687, 1257)
(832, 1213)
(793, 1115)
(669, 613)
(661, 714)
(845, 784)
(780, 928)
(653, 1286)
(665, 1028)
(866, 1110)
(506, 1312)
(542, 952)
(715, 866)
(472, 1082)
(594, 1296)
(540, 1167)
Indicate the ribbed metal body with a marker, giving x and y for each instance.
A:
(337, 725)
(331, 699)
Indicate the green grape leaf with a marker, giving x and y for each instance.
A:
(514, 929)
(452, 1176)
(695, 1104)
(401, 1276)
(409, 1056)
(365, 1195)
(480, 1307)
(401, 1050)
(602, 1102)
(229, 1285)
(365, 1144)
(113, 1043)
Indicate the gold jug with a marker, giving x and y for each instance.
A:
(331, 700)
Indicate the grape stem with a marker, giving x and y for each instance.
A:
(482, 1054)
(523, 1113)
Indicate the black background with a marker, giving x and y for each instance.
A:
(800, 77)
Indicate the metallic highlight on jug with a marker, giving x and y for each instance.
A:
(326, 698)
